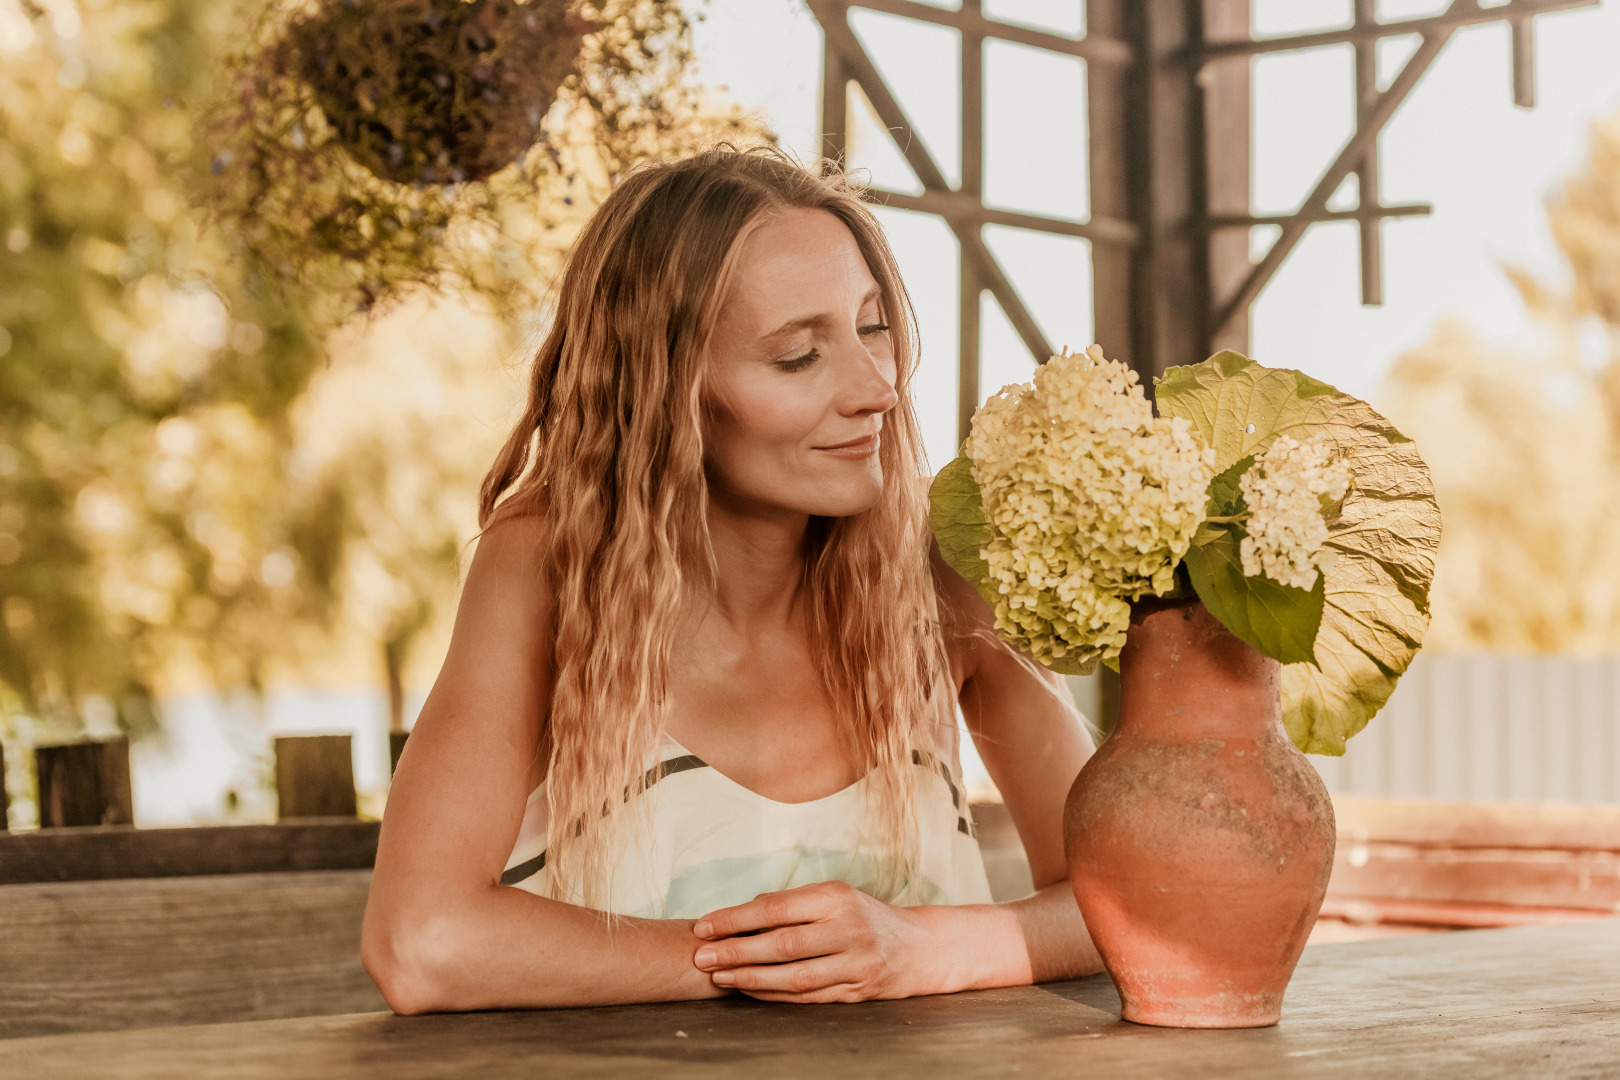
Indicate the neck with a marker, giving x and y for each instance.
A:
(759, 559)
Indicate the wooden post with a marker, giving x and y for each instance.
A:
(1224, 87)
(396, 747)
(84, 784)
(1114, 160)
(1169, 151)
(5, 798)
(315, 777)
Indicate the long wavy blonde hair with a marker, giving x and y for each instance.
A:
(610, 454)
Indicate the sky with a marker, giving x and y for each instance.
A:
(1458, 142)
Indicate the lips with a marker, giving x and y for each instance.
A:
(861, 447)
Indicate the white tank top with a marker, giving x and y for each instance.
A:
(712, 843)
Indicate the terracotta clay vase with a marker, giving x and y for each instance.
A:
(1199, 838)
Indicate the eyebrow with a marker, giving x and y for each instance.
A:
(876, 292)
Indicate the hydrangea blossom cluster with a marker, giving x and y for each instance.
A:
(1284, 489)
(1091, 502)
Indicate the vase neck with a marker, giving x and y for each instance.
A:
(1185, 677)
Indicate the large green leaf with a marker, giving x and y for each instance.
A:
(956, 513)
(1279, 620)
(1383, 535)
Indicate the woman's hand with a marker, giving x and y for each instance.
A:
(816, 943)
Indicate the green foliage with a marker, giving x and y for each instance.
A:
(956, 513)
(1374, 603)
(1279, 620)
(122, 320)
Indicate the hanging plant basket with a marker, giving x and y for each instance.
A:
(433, 91)
(359, 148)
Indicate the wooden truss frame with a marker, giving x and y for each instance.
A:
(1168, 116)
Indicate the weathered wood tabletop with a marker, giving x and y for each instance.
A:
(1529, 1002)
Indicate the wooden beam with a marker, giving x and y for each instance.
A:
(1094, 48)
(959, 207)
(1372, 122)
(1360, 213)
(121, 851)
(1461, 13)
(84, 783)
(1367, 182)
(1224, 110)
(973, 279)
(976, 257)
(1112, 163)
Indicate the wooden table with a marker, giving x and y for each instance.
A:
(1538, 1001)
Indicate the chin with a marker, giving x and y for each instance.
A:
(847, 500)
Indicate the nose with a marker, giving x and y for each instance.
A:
(869, 386)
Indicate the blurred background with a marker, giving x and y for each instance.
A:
(257, 346)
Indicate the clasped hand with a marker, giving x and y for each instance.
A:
(816, 943)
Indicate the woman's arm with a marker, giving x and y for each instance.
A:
(441, 933)
(830, 942)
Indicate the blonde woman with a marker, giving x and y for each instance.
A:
(695, 732)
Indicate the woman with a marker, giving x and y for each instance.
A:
(694, 733)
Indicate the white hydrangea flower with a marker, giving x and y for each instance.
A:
(1091, 502)
(1284, 489)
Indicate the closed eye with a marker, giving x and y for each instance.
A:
(799, 363)
(873, 328)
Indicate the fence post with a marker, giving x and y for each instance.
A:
(315, 777)
(396, 747)
(84, 783)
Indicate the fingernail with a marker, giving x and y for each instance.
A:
(703, 929)
(723, 978)
(705, 957)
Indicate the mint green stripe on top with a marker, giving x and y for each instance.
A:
(708, 886)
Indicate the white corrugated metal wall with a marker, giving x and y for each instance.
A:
(1484, 726)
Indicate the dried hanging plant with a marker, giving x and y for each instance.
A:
(365, 146)
(433, 90)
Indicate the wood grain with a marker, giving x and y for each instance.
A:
(1537, 878)
(96, 854)
(84, 783)
(1479, 1005)
(315, 777)
(1564, 826)
(110, 955)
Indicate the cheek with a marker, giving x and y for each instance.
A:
(763, 421)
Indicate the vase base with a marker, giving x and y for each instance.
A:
(1201, 1014)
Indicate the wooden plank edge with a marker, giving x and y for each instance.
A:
(1369, 910)
(111, 852)
(1433, 823)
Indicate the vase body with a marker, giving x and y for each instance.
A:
(1199, 839)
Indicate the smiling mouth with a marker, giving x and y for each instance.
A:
(865, 446)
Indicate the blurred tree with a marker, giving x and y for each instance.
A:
(182, 227)
(1525, 450)
(402, 425)
(147, 370)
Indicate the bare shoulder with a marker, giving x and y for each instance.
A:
(500, 655)
(511, 549)
(507, 579)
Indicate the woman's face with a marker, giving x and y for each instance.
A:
(801, 373)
